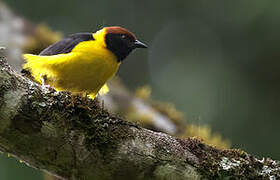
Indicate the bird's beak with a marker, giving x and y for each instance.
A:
(138, 44)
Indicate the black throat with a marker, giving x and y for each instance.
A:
(119, 47)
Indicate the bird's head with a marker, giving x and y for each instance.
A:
(119, 41)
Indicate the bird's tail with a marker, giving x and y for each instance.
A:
(31, 61)
(35, 65)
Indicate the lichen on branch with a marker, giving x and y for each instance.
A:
(74, 138)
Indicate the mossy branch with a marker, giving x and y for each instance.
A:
(73, 138)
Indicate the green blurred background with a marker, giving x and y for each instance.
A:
(217, 61)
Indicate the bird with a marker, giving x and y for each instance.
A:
(82, 63)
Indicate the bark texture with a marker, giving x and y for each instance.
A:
(74, 138)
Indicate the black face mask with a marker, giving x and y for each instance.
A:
(121, 45)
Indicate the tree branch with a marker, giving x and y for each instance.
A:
(73, 138)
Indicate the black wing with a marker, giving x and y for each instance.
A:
(66, 45)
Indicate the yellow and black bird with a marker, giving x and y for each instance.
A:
(83, 62)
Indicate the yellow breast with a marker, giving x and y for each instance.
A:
(86, 70)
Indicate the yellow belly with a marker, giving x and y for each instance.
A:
(83, 74)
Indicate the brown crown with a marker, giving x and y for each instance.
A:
(120, 30)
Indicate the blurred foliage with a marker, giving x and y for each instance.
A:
(205, 134)
(170, 111)
(218, 61)
(165, 108)
(185, 129)
(143, 92)
(143, 120)
(40, 38)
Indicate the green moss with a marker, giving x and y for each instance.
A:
(48, 129)
(9, 97)
(233, 164)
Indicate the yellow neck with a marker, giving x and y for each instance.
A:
(96, 47)
(99, 36)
